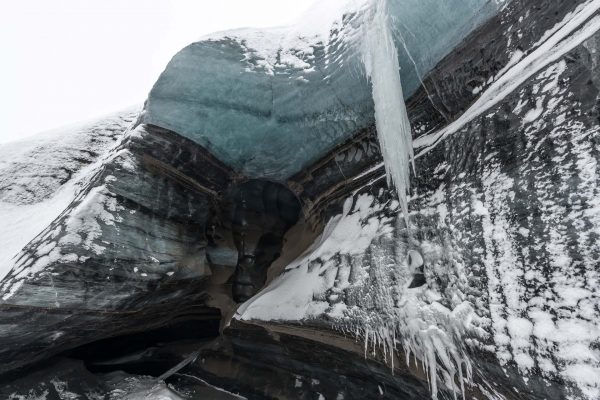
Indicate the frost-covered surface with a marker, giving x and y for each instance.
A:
(540, 219)
(101, 223)
(270, 102)
(34, 169)
(67, 379)
(577, 26)
(543, 297)
(139, 388)
(380, 57)
(41, 176)
(126, 246)
(358, 273)
(507, 221)
(113, 386)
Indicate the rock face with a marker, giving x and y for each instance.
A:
(127, 254)
(490, 290)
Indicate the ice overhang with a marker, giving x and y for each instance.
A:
(270, 102)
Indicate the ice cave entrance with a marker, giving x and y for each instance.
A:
(260, 214)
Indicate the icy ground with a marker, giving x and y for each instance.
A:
(123, 386)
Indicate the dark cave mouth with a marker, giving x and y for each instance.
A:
(151, 352)
(256, 215)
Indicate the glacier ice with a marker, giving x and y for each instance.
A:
(399, 318)
(269, 102)
(264, 102)
(566, 35)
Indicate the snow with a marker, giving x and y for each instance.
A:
(21, 223)
(37, 396)
(82, 225)
(290, 296)
(269, 102)
(290, 46)
(159, 391)
(131, 387)
(534, 113)
(544, 310)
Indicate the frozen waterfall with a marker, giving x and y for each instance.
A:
(380, 59)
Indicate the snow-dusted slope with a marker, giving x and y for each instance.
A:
(125, 240)
(41, 176)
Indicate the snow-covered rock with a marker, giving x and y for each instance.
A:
(271, 102)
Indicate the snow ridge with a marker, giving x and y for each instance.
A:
(41, 176)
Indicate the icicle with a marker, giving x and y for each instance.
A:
(366, 341)
(380, 58)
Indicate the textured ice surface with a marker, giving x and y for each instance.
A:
(141, 388)
(576, 28)
(268, 102)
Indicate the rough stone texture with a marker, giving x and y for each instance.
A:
(126, 255)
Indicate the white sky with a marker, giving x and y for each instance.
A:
(65, 61)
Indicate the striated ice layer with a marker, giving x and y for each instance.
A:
(391, 119)
(269, 102)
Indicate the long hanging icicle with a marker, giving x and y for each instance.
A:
(380, 59)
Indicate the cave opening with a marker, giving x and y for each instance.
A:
(255, 216)
(149, 352)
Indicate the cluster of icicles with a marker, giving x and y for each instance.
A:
(432, 348)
